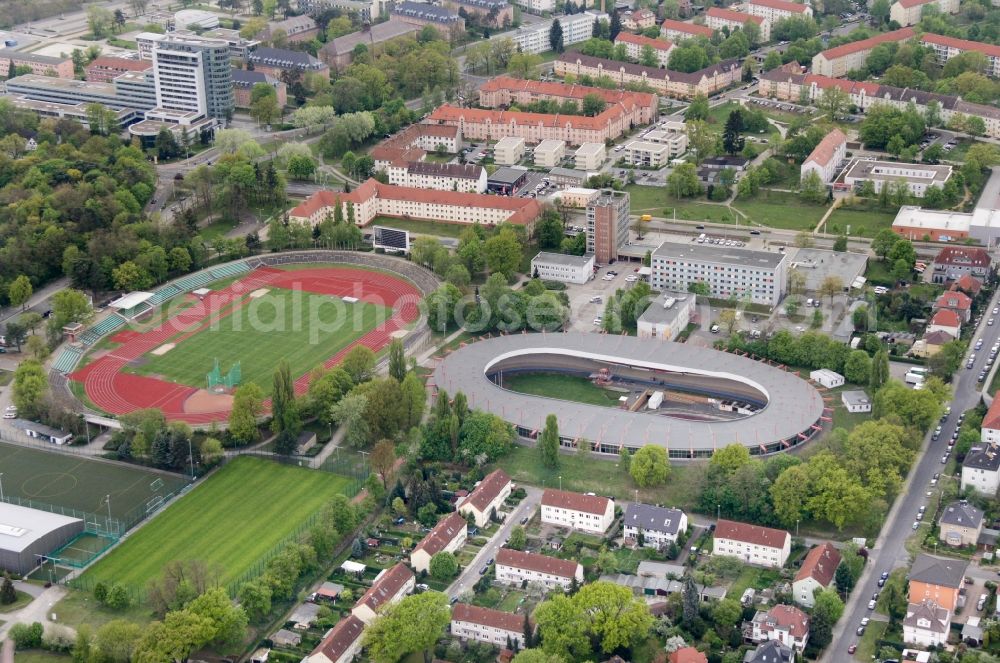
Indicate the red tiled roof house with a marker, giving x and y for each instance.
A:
(514, 567)
(752, 544)
(816, 572)
(589, 513)
(487, 498)
(447, 536)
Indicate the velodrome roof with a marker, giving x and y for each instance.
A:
(20, 526)
(794, 405)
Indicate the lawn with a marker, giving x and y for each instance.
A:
(777, 209)
(303, 328)
(231, 520)
(656, 201)
(718, 115)
(860, 222)
(23, 599)
(79, 608)
(752, 576)
(565, 387)
(868, 643)
(416, 227)
(589, 473)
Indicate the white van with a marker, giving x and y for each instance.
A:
(701, 238)
(916, 376)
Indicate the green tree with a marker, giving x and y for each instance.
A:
(548, 442)
(409, 626)
(858, 367)
(683, 182)
(443, 566)
(248, 405)
(732, 140)
(726, 614)
(698, 109)
(255, 598)
(30, 388)
(537, 656)
(518, 539)
(8, 594)
(359, 364)
(833, 102)
(880, 369)
(397, 360)
(650, 466)
(556, 36)
(772, 60)
(284, 409)
(812, 187)
(563, 628)
(624, 459)
(503, 253)
(613, 615)
(19, 291)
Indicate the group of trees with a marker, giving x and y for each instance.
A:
(73, 193)
(497, 307)
(455, 432)
(623, 308)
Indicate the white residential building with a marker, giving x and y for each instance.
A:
(464, 178)
(826, 156)
(549, 153)
(657, 526)
(856, 401)
(487, 497)
(340, 644)
(646, 154)
(752, 544)
(563, 267)
(817, 572)
(981, 470)
(448, 535)
(390, 586)
(678, 31)
(514, 567)
(498, 628)
(718, 18)
(916, 177)
(508, 151)
(537, 6)
(945, 48)
(775, 10)
(635, 45)
(908, 12)
(727, 272)
(926, 624)
(783, 623)
(590, 156)
(534, 38)
(588, 513)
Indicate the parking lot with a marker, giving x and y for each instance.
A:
(583, 310)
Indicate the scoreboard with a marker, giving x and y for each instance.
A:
(391, 240)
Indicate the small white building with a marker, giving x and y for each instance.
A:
(856, 401)
(644, 154)
(752, 544)
(448, 535)
(926, 624)
(42, 431)
(563, 267)
(667, 316)
(827, 378)
(981, 469)
(487, 497)
(656, 526)
(549, 153)
(826, 156)
(590, 156)
(508, 151)
(817, 572)
(916, 177)
(498, 628)
(390, 586)
(588, 513)
(514, 567)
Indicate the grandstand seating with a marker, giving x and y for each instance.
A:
(108, 324)
(232, 269)
(66, 360)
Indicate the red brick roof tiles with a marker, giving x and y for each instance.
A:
(755, 534)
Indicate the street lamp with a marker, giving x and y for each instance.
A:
(560, 482)
(1, 487)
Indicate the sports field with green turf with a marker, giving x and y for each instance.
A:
(230, 521)
(304, 328)
(78, 482)
(566, 387)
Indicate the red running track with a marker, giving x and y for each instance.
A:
(115, 391)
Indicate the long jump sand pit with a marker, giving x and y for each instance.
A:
(259, 292)
(205, 401)
(162, 350)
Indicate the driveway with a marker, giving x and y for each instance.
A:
(470, 574)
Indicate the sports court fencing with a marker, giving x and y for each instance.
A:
(345, 463)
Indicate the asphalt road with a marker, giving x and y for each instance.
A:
(889, 551)
(470, 574)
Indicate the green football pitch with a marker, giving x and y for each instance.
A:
(77, 482)
(304, 328)
(230, 522)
